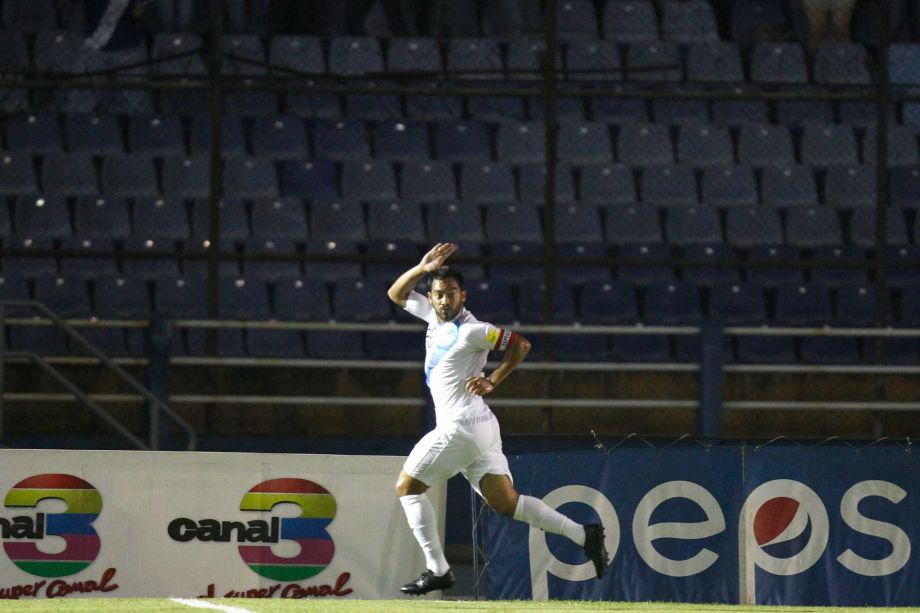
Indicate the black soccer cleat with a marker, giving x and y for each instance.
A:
(428, 582)
(595, 548)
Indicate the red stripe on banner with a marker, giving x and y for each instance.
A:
(289, 486)
(80, 547)
(54, 482)
(312, 551)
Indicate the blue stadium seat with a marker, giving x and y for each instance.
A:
(631, 225)
(789, 186)
(82, 264)
(675, 304)
(904, 186)
(644, 145)
(29, 265)
(455, 221)
(620, 110)
(607, 184)
(101, 218)
(902, 261)
(516, 273)
(93, 134)
(909, 314)
(434, 107)
(58, 51)
(765, 145)
(630, 21)
(319, 105)
(243, 54)
(862, 114)
(610, 304)
(474, 55)
(333, 268)
(414, 55)
(496, 108)
(158, 135)
(462, 141)
(713, 62)
(6, 224)
(680, 112)
(271, 270)
(841, 64)
(117, 297)
(743, 304)
(381, 252)
(584, 143)
(150, 268)
(345, 139)
(578, 223)
(729, 186)
(45, 216)
(187, 176)
(337, 220)
(855, 307)
(688, 22)
(829, 145)
(373, 106)
(426, 181)
(313, 180)
(654, 61)
(669, 185)
(644, 263)
(811, 227)
(713, 267)
(739, 112)
(177, 54)
(33, 133)
(487, 182)
(693, 226)
(778, 62)
(279, 218)
(809, 305)
(760, 268)
(303, 299)
(161, 217)
(232, 136)
(576, 20)
(524, 59)
(365, 301)
(14, 52)
(401, 141)
(902, 147)
(68, 298)
(250, 177)
(753, 226)
(354, 56)
(862, 228)
(279, 137)
(513, 222)
(234, 225)
(129, 175)
(396, 220)
(705, 145)
(368, 180)
(593, 60)
(838, 276)
(850, 186)
(492, 301)
(568, 108)
(521, 142)
(296, 52)
(532, 183)
(241, 299)
(585, 268)
(802, 113)
(17, 174)
(531, 299)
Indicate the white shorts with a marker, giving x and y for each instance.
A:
(472, 447)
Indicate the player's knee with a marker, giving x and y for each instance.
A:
(504, 503)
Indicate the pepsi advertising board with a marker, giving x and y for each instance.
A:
(161, 524)
(779, 525)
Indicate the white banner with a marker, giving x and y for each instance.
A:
(158, 524)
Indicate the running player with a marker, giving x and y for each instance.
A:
(466, 438)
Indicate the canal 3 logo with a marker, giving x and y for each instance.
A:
(23, 533)
(306, 532)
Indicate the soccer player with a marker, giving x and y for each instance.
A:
(466, 438)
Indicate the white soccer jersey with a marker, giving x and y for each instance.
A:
(455, 350)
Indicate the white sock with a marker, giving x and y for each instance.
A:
(423, 521)
(540, 515)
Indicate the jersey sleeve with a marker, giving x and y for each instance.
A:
(417, 305)
(486, 336)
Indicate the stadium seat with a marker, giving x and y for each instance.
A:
(693, 226)
(333, 268)
(778, 62)
(739, 112)
(743, 304)
(17, 174)
(714, 62)
(271, 270)
(424, 107)
(513, 222)
(396, 220)
(496, 108)
(158, 135)
(788, 186)
(462, 141)
(688, 21)
(532, 183)
(904, 186)
(313, 180)
(34, 133)
(44, 216)
(279, 218)
(299, 53)
(117, 297)
(319, 105)
(680, 112)
(474, 58)
(631, 225)
(762, 145)
(487, 182)
(902, 147)
(426, 181)
(368, 180)
(187, 176)
(146, 267)
(250, 177)
(345, 139)
(760, 267)
(381, 254)
(588, 262)
(753, 226)
(619, 110)
(713, 268)
(232, 136)
(644, 145)
(607, 184)
(729, 186)
(373, 106)
(178, 54)
(516, 273)
(279, 137)
(302, 299)
(862, 228)
(161, 217)
(705, 145)
(129, 175)
(669, 185)
(801, 113)
(584, 143)
(234, 223)
(654, 61)
(576, 20)
(531, 305)
(29, 265)
(850, 186)
(101, 218)
(809, 305)
(837, 276)
(401, 141)
(95, 134)
(414, 55)
(675, 303)
(521, 142)
(646, 263)
(589, 59)
(902, 261)
(811, 227)
(455, 221)
(841, 64)
(82, 264)
(829, 145)
(492, 301)
(354, 56)
(578, 224)
(630, 21)
(337, 220)
(243, 54)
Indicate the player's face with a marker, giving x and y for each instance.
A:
(447, 298)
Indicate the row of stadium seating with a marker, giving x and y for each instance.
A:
(610, 303)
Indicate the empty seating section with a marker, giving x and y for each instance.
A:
(362, 182)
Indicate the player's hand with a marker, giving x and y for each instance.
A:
(435, 258)
(479, 386)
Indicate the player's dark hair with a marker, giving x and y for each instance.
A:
(444, 273)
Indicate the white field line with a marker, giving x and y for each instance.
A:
(201, 604)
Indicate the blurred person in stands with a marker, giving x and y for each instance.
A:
(817, 15)
(116, 24)
(466, 438)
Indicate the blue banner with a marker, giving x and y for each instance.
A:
(771, 525)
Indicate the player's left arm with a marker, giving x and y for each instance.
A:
(515, 348)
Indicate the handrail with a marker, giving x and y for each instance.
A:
(157, 406)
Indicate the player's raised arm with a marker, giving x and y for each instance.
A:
(431, 261)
